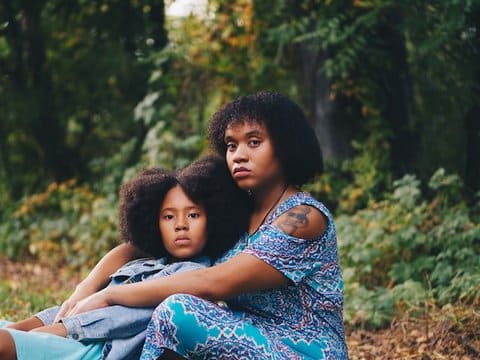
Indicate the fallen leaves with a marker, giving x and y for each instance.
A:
(448, 333)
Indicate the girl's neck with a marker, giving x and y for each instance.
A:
(172, 260)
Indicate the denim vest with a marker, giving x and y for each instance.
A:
(122, 328)
(142, 269)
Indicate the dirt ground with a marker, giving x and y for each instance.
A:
(440, 334)
(451, 333)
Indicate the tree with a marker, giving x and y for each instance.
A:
(71, 74)
(404, 70)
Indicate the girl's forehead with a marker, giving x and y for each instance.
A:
(177, 194)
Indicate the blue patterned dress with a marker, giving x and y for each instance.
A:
(300, 321)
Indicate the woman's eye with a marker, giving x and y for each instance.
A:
(254, 143)
(230, 146)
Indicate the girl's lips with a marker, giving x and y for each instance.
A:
(182, 241)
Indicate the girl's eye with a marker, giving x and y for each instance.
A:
(168, 217)
(194, 215)
(254, 142)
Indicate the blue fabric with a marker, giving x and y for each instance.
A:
(41, 346)
(119, 330)
(301, 321)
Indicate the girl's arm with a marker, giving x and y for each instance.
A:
(242, 273)
(99, 277)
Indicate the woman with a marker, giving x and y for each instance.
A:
(282, 280)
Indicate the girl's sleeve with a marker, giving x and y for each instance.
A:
(294, 257)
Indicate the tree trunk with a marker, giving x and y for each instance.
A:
(472, 166)
(398, 93)
(333, 126)
(59, 160)
(472, 123)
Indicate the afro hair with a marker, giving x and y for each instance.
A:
(206, 182)
(294, 140)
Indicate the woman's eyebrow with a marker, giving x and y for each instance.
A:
(250, 133)
(254, 133)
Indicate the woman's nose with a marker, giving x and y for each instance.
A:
(240, 154)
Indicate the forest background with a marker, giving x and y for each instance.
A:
(93, 91)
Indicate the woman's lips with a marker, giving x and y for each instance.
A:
(240, 173)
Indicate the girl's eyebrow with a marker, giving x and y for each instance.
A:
(176, 208)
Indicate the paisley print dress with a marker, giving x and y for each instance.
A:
(300, 321)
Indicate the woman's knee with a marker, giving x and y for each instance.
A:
(175, 303)
(180, 316)
(174, 308)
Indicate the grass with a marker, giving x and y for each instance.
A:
(28, 287)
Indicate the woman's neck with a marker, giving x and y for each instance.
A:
(265, 198)
(265, 201)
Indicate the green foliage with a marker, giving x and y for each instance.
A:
(352, 184)
(405, 250)
(369, 170)
(164, 149)
(66, 223)
(71, 74)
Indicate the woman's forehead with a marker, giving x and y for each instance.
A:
(245, 126)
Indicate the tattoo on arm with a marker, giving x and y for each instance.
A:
(294, 219)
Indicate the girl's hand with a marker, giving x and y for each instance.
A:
(80, 293)
(100, 275)
(92, 302)
(66, 307)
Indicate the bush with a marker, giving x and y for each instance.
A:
(405, 250)
(66, 223)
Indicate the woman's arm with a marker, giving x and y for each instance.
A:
(99, 276)
(242, 273)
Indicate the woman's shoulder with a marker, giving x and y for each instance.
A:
(302, 216)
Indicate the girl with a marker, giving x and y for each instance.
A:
(161, 213)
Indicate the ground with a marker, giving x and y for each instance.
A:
(449, 333)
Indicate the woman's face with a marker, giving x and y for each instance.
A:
(251, 156)
(183, 225)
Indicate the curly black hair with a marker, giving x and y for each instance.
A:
(207, 182)
(294, 140)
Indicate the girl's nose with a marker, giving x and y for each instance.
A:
(182, 224)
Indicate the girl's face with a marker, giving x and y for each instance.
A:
(183, 225)
(251, 156)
